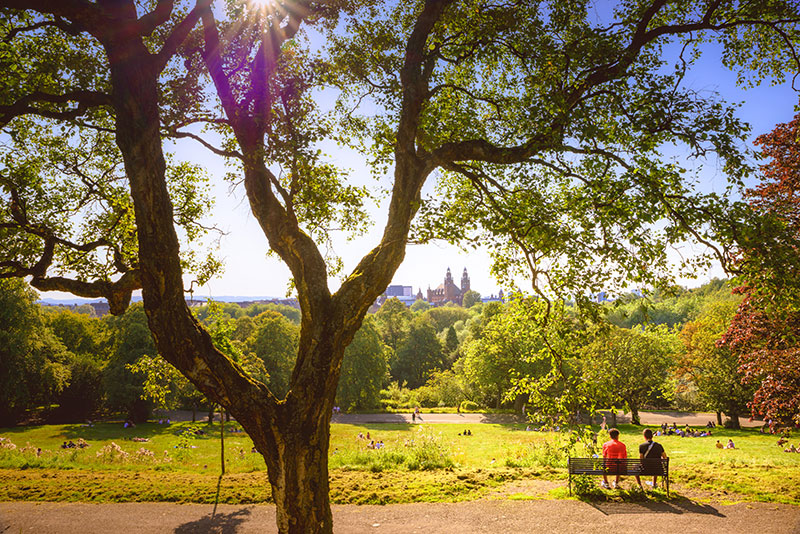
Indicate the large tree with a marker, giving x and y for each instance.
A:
(713, 367)
(542, 125)
(763, 333)
(629, 367)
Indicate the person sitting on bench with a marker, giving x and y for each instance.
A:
(650, 449)
(612, 450)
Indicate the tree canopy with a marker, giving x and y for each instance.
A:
(541, 126)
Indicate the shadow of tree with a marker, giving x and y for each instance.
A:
(225, 523)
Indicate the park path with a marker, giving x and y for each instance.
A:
(647, 418)
(482, 516)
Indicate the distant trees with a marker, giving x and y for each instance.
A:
(470, 298)
(131, 340)
(274, 341)
(392, 321)
(504, 351)
(712, 366)
(33, 363)
(418, 355)
(365, 369)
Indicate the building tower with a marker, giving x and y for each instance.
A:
(464, 282)
(449, 287)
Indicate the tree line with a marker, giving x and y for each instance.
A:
(660, 351)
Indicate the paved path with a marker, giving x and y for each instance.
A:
(647, 418)
(483, 516)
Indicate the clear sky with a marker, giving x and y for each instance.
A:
(249, 272)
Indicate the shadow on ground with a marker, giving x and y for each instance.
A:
(679, 505)
(217, 523)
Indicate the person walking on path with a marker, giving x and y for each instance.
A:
(612, 450)
(650, 449)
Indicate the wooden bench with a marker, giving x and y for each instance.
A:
(622, 466)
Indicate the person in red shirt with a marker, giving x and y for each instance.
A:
(613, 449)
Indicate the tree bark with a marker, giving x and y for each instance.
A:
(733, 417)
(719, 418)
(635, 416)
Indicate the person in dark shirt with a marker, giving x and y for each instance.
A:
(650, 449)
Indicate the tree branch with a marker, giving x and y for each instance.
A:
(86, 100)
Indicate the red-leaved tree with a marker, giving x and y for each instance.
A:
(764, 332)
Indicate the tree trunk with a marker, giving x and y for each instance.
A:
(719, 418)
(298, 475)
(635, 416)
(733, 417)
(613, 419)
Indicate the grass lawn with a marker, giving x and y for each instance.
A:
(417, 463)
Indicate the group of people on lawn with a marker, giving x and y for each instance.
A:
(615, 449)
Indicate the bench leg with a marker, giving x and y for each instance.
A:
(570, 484)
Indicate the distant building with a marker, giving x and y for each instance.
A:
(492, 298)
(448, 291)
(404, 294)
(399, 291)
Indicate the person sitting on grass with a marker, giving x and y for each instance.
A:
(720, 445)
(651, 450)
(613, 450)
(730, 445)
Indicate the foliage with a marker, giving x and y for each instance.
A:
(274, 342)
(131, 341)
(365, 370)
(629, 367)
(763, 333)
(33, 363)
(87, 340)
(443, 388)
(418, 355)
(711, 366)
(291, 313)
(397, 397)
(392, 321)
(506, 350)
(471, 298)
(445, 316)
(450, 344)
(420, 306)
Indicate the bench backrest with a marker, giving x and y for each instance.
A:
(632, 466)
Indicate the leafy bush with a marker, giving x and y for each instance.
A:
(395, 397)
(584, 485)
(469, 406)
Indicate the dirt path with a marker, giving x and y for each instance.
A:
(484, 516)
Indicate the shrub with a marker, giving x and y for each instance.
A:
(469, 406)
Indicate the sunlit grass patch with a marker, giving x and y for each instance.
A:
(417, 463)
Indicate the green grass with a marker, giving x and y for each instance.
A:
(417, 463)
